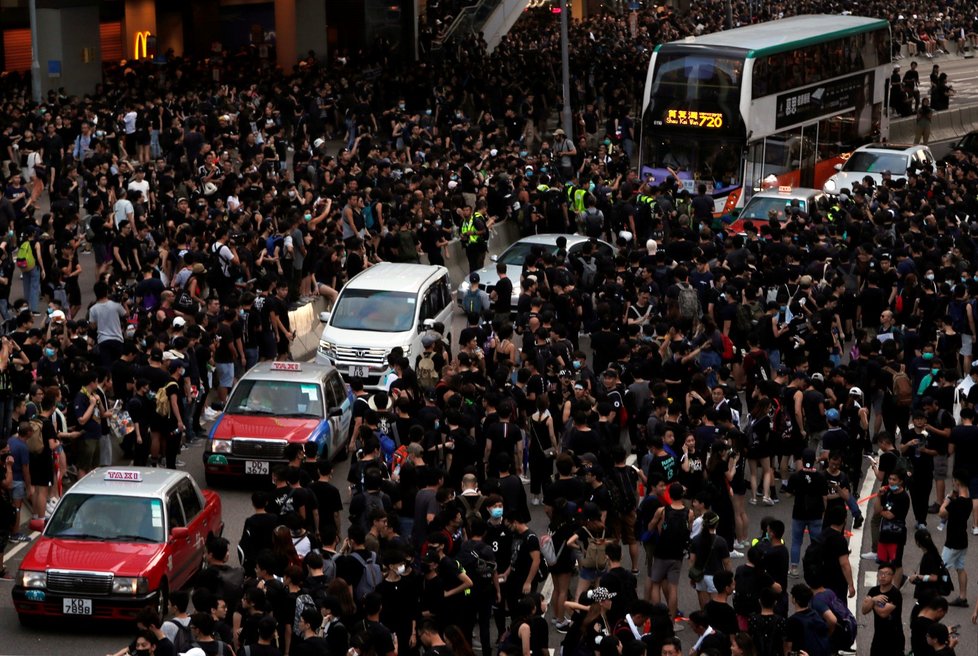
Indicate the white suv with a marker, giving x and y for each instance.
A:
(875, 159)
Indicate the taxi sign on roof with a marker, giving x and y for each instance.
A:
(124, 475)
(785, 189)
(286, 366)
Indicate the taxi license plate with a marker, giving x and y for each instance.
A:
(358, 372)
(76, 606)
(256, 467)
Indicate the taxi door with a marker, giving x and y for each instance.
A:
(180, 557)
(336, 396)
(198, 522)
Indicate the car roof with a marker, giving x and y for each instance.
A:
(395, 277)
(550, 239)
(309, 372)
(803, 193)
(154, 484)
(890, 148)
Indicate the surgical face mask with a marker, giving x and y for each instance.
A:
(142, 652)
(496, 513)
(401, 569)
(307, 216)
(49, 352)
(930, 276)
(927, 356)
(291, 194)
(934, 371)
(577, 364)
(894, 488)
(783, 308)
(401, 106)
(438, 222)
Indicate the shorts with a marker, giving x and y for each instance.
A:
(589, 574)
(623, 528)
(890, 553)
(665, 569)
(706, 585)
(225, 374)
(967, 344)
(954, 558)
(940, 467)
(86, 454)
(102, 254)
(973, 487)
(19, 491)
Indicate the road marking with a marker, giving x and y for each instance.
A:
(855, 554)
(20, 545)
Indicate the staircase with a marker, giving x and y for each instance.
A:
(494, 18)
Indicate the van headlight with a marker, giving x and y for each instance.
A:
(830, 185)
(327, 348)
(29, 578)
(130, 585)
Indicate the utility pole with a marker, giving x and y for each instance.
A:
(35, 58)
(565, 114)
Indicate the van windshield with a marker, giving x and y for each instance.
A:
(374, 310)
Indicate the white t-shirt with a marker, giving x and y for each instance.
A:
(123, 208)
(141, 186)
(130, 122)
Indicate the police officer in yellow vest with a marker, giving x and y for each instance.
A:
(475, 234)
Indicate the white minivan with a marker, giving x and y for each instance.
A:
(388, 305)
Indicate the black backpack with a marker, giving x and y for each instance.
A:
(183, 641)
(675, 527)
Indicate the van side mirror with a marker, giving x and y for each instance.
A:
(324, 317)
(428, 324)
(493, 258)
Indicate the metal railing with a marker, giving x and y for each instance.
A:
(468, 21)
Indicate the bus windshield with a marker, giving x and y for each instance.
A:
(714, 162)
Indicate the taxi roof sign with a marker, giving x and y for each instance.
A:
(124, 475)
(785, 189)
(285, 366)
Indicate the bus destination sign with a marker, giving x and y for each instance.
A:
(693, 118)
(814, 102)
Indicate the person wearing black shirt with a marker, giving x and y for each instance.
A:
(932, 613)
(720, 614)
(886, 603)
(502, 295)
(257, 534)
(276, 314)
(311, 643)
(810, 489)
(954, 511)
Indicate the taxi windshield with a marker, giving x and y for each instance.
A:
(759, 206)
(375, 310)
(276, 397)
(108, 517)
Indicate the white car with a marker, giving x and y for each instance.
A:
(515, 255)
(873, 160)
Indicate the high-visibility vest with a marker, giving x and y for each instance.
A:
(579, 196)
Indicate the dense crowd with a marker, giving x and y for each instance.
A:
(739, 370)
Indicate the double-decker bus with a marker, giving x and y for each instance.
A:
(768, 105)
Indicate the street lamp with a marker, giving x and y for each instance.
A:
(565, 114)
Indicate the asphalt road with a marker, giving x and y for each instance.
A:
(103, 639)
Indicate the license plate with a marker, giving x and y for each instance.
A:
(76, 606)
(256, 467)
(358, 372)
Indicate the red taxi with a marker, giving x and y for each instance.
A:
(119, 540)
(777, 202)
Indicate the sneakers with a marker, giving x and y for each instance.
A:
(736, 554)
(741, 544)
(768, 501)
(536, 501)
(793, 572)
(563, 625)
(525, 479)
(942, 525)
(752, 501)
(960, 602)
(19, 537)
(974, 531)
(933, 509)
(857, 522)
(869, 555)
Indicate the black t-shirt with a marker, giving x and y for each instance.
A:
(965, 441)
(889, 630)
(808, 487)
(899, 505)
(504, 296)
(722, 617)
(275, 304)
(524, 544)
(329, 501)
(918, 635)
(958, 512)
(835, 545)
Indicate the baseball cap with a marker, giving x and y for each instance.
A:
(855, 391)
(427, 341)
(179, 322)
(195, 651)
(601, 594)
(473, 277)
(832, 414)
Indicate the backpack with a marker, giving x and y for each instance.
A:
(675, 527)
(594, 556)
(183, 641)
(472, 510)
(728, 352)
(547, 550)
(369, 219)
(483, 570)
(689, 302)
(589, 273)
(371, 578)
(273, 242)
(813, 562)
(370, 502)
(903, 463)
(959, 317)
(746, 318)
(163, 400)
(752, 438)
(427, 374)
(472, 302)
(593, 222)
(387, 447)
(781, 424)
(622, 485)
(302, 602)
(35, 443)
(902, 387)
(846, 625)
(25, 256)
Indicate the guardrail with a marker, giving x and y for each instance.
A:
(945, 125)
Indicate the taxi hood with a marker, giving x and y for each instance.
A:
(292, 429)
(120, 558)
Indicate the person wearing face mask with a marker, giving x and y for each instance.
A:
(400, 589)
(433, 241)
(892, 505)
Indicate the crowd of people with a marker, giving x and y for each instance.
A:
(738, 370)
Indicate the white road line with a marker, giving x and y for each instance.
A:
(856, 541)
(20, 545)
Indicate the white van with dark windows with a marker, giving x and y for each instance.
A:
(383, 307)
